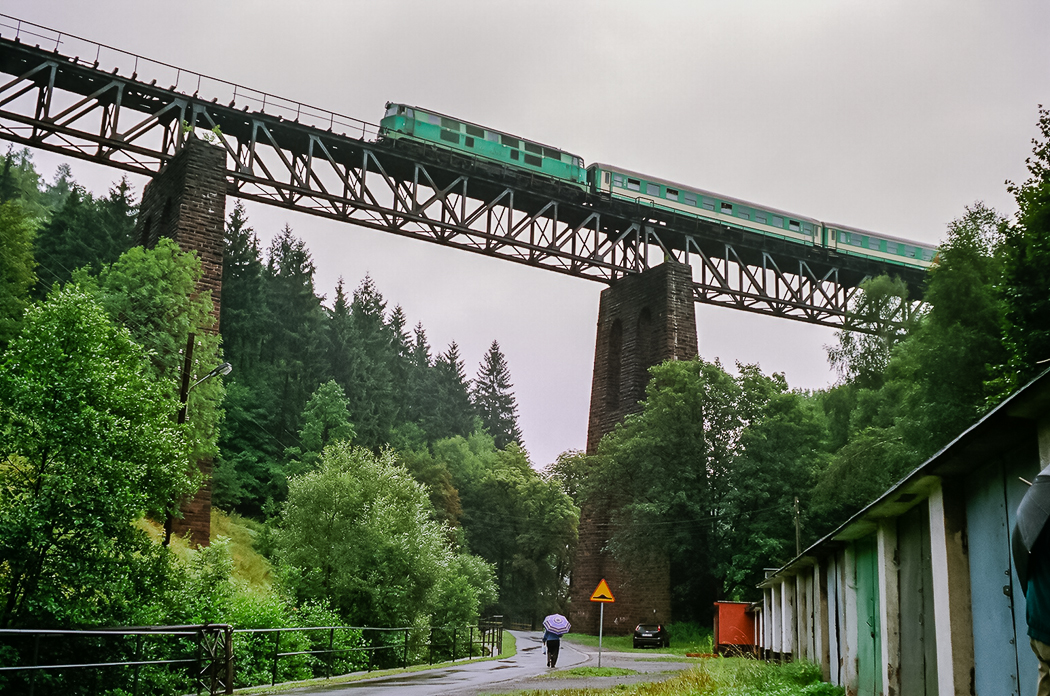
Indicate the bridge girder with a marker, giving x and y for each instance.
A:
(336, 167)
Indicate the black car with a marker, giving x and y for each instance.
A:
(651, 635)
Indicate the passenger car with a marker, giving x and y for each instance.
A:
(651, 634)
(402, 121)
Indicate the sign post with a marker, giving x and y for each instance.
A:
(603, 595)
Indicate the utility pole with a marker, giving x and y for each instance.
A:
(798, 530)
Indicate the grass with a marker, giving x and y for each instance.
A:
(735, 676)
(577, 672)
(248, 565)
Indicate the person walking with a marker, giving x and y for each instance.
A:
(552, 643)
(1031, 551)
(554, 627)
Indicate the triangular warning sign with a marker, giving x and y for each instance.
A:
(602, 593)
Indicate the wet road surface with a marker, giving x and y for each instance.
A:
(525, 670)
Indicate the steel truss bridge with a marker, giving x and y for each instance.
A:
(90, 101)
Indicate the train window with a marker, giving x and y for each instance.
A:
(743, 213)
(873, 243)
(551, 154)
(672, 194)
(794, 226)
(449, 136)
(760, 216)
(490, 136)
(533, 148)
(394, 110)
(807, 228)
(514, 154)
(468, 141)
(510, 142)
(475, 131)
(689, 198)
(727, 208)
(634, 185)
(652, 189)
(709, 204)
(856, 240)
(606, 178)
(778, 221)
(927, 254)
(843, 236)
(449, 123)
(617, 180)
(534, 160)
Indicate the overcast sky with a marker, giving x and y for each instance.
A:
(890, 116)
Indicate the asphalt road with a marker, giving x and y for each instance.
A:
(526, 670)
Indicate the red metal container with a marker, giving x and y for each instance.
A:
(734, 628)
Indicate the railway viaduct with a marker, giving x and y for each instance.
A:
(202, 140)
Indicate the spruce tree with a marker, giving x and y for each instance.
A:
(419, 381)
(67, 242)
(84, 231)
(247, 470)
(493, 399)
(341, 334)
(119, 212)
(295, 342)
(370, 388)
(243, 310)
(401, 362)
(22, 182)
(17, 266)
(451, 412)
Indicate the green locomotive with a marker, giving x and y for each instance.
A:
(424, 125)
(403, 121)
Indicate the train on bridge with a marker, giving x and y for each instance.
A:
(426, 126)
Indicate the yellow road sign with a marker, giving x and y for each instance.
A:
(603, 593)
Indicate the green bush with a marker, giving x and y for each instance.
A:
(691, 636)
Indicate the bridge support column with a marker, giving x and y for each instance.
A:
(643, 320)
(186, 202)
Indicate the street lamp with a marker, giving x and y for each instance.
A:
(184, 393)
(223, 369)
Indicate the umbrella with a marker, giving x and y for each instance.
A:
(1032, 515)
(1034, 509)
(557, 624)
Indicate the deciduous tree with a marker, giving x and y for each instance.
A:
(90, 443)
(357, 531)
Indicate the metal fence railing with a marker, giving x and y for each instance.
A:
(92, 661)
(214, 658)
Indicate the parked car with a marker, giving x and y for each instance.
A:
(654, 635)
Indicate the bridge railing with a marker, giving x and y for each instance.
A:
(193, 84)
(214, 658)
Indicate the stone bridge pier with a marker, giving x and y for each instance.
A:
(186, 202)
(643, 320)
